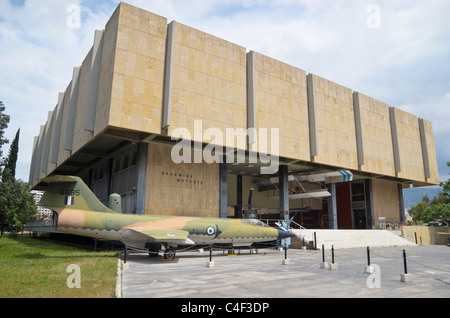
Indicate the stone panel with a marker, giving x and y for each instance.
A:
(180, 189)
(385, 196)
(377, 137)
(336, 137)
(432, 158)
(410, 148)
(137, 85)
(105, 88)
(281, 102)
(209, 83)
(82, 136)
(63, 154)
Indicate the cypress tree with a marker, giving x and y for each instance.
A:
(9, 172)
(4, 120)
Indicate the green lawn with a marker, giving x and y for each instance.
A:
(32, 268)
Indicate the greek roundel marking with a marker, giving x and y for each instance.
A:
(210, 231)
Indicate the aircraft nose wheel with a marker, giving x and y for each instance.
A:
(170, 254)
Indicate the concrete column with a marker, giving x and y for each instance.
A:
(142, 154)
(238, 209)
(369, 204)
(284, 192)
(401, 203)
(332, 207)
(223, 199)
(110, 173)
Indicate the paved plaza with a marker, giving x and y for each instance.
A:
(263, 275)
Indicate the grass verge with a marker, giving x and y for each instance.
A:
(32, 268)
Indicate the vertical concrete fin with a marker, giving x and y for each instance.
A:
(423, 142)
(312, 115)
(57, 130)
(358, 129)
(168, 76)
(93, 82)
(40, 145)
(72, 111)
(33, 162)
(46, 147)
(395, 145)
(251, 105)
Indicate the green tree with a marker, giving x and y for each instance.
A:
(446, 186)
(9, 171)
(437, 213)
(417, 211)
(4, 121)
(17, 205)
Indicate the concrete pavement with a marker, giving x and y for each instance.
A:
(262, 275)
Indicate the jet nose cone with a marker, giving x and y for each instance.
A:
(283, 234)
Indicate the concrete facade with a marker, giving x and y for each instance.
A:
(145, 77)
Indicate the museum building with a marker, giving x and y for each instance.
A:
(342, 158)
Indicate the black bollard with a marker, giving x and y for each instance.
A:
(333, 265)
(210, 253)
(125, 255)
(332, 254)
(285, 251)
(315, 241)
(368, 256)
(404, 262)
(323, 264)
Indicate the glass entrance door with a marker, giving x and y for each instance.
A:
(359, 219)
(358, 202)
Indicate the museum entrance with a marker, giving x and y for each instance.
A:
(353, 205)
(360, 205)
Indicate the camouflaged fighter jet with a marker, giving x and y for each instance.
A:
(79, 212)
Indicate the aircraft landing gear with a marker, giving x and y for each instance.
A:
(170, 253)
(153, 249)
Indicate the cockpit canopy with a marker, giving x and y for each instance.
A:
(254, 222)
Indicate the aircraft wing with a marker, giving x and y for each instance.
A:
(168, 235)
(140, 237)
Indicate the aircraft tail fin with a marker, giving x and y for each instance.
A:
(67, 192)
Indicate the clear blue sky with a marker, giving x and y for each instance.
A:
(395, 51)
